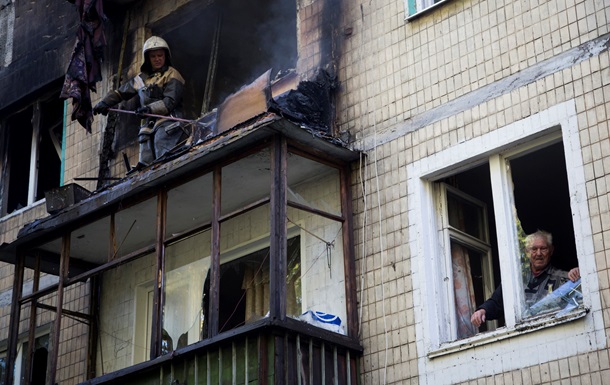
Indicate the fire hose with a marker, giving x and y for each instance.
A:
(152, 115)
(193, 123)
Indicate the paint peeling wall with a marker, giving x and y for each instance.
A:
(414, 88)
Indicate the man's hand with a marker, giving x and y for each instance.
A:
(101, 108)
(143, 110)
(478, 317)
(574, 274)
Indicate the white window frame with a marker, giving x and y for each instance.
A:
(433, 335)
(448, 234)
(414, 8)
(33, 172)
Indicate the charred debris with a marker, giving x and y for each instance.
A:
(303, 106)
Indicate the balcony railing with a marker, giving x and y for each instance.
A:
(268, 352)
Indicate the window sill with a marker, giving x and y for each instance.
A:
(23, 209)
(527, 326)
(424, 11)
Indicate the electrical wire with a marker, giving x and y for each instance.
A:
(382, 251)
(363, 254)
(378, 194)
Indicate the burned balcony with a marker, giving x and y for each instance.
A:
(231, 258)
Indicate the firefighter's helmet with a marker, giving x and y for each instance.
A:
(152, 43)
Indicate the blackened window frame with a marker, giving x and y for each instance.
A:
(45, 115)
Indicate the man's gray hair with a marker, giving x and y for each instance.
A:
(548, 237)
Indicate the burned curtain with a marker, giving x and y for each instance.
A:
(84, 69)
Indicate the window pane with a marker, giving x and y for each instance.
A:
(90, 243)
(20, 143)
(472, 284)
(534, 176)
(187, 266)
(50, 250)
(244, 268)
(49, 150)
(294, 300)
(40, 355)
(135, 227)
(126, 308)
(320, 292)
(465, 215)
(189, 205)
(473, 259)
(313, 184)
(73, 347)
(246, 181)
(244, 289)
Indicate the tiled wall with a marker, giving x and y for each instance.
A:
(412, 89)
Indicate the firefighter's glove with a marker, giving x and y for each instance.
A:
(143, 110)
(101, 108)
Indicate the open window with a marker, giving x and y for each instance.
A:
(538, 185)
(40, 355)
(465, 228)
(33, 153)
(218, 47)
(416, 7)
(484, 195)
(228, 44)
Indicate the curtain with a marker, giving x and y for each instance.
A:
(257, 294)
(463, 289)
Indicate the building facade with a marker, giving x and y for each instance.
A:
(356, 179)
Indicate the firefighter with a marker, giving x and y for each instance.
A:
(159, 87)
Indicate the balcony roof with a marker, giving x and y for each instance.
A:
(254, 114)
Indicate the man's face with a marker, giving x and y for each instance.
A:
(157, 58)
(540, 254)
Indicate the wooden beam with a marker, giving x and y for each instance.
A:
(278, 241)
(247, 103)
(349, 258)
(94, 301)
(63, 274)
(71, 313)
(15, 314)
(159, 292)
(245, 209)
(91, 273)
(315, 211)
(214, 303)
(263, 378)
(32, 327)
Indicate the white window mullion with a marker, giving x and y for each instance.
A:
(435, 307)
(449, 333)
(33, 174)
(508, 243)
(447, 306)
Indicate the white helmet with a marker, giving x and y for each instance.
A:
(152, 43)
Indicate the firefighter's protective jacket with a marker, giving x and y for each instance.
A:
(161, 91)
